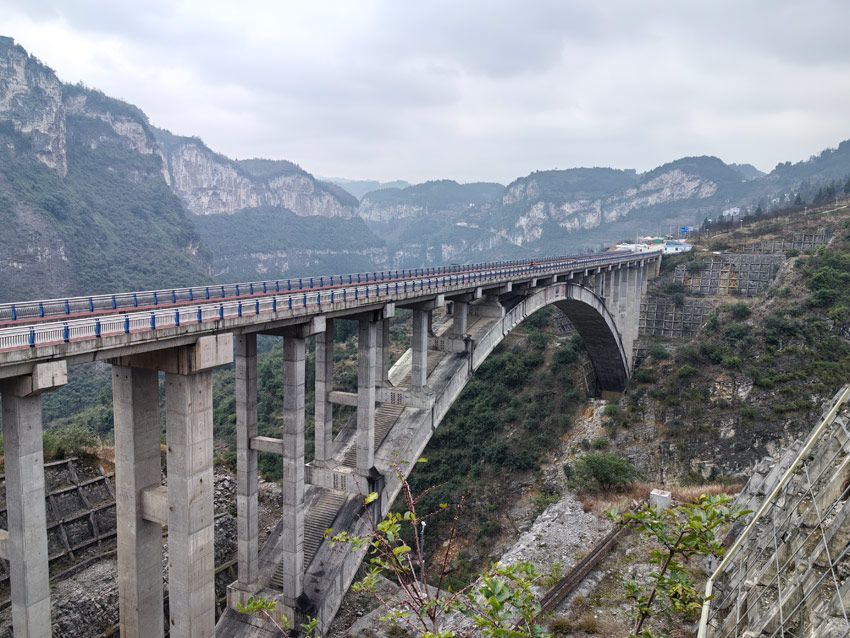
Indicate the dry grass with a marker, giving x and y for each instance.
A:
(638, 492)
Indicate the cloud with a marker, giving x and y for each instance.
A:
(473, 90)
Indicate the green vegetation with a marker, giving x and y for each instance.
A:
(502, 605)
(680, 533)
(122, 227)
(594, 471)
(273, 230)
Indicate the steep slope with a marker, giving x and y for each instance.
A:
(211, 184)
(84, 205)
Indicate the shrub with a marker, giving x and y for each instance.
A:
(72, 440)
(600, 444)
(686, 371)
(658, 352)
(612, 409)
(740, 311)
(608, 471)
(733, 363)
(644, 375)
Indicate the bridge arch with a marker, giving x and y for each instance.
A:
(591, 318)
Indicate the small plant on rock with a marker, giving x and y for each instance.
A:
(500, 604)
(682, 532)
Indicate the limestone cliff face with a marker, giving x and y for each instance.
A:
(375, 212)
(536, 210)
(125, 123)
(31, 102)
(211, 184)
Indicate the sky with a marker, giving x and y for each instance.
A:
(465, 89)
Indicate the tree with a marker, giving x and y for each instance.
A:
(798, 201)
(682, 532)
(606, 471)
(501, 605)
(847, 186)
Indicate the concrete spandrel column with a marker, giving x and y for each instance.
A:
(324, 385)
(292, 544)
(460, 315)
(191, 555)
(623, 304)
(419, 345)
(247, 522)
(135, 398)
(608, 286)
(25, 508)
(366, 396)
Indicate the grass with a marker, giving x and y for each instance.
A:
(639, 491)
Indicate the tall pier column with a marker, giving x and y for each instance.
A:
(419, 345)
(294, 352)
(187, 504)
(366, 358)
(25, 509)
(324, 385)
(135, 397)
(191, 555)
(247, 522)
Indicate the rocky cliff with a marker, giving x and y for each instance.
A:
(211, 184)
(31, 107)
(84, 204)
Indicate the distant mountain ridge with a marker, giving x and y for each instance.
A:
(94, 198)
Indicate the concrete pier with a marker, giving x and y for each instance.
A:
(366, 358)
(324, 386)
(25, 510)
(187, 505)
(247, 522)
(135, 393)
(294, 351)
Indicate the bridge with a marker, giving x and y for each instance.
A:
(187, 333)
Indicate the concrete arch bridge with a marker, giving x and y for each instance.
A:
(187, 333)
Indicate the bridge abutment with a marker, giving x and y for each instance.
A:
(25, 508)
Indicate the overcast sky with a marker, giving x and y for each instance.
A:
(464, 90)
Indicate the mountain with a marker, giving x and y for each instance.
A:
(558, 211)
(93, 198)
(747, 171)
(84, 204)
(359, 187)
(426, 223)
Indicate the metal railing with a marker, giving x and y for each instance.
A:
(785, 563)
(77, 306)
(117, 321)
